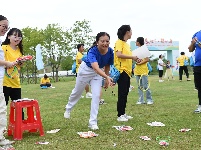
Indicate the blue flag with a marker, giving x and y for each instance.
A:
(39, 58)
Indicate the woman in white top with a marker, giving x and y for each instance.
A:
(3, 118)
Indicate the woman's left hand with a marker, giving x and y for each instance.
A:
(139, 60)
(20, 63)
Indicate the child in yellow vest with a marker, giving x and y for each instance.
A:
(141, 73)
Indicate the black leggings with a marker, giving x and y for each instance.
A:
(160, 73)
(197, 81)
(12, 93)
(123, 89)
(181, 69)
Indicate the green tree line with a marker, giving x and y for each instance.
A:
(57, 44)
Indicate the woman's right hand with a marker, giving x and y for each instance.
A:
(10, 64)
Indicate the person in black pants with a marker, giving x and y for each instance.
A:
(182, 67)
(196, 46)
(123, 62)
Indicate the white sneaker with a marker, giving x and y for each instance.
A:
(67, 115)
(88, 95)
(128, 117)
(5, 131)
(122, 118)
(150, 102)
(131, 88)
(6, 142)
(93, 127)
(139, 103)
(161, 80)
(101, 102)
(198, 110)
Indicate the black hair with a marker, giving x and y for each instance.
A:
(97, 39)
(14, 31)
(101, 34)
(182, 53)
(2, 18)
(122, 31)
(79, 45)
(45, 76)
(140, 40)
(160, 56)
(94, 43)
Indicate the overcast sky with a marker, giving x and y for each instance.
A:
(153, 19)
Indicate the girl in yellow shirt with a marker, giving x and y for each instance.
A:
(13, 49)
(123, 62)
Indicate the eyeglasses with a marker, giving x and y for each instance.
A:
(16, 38)
(5, 27)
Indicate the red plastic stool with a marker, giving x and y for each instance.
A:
(17, 126)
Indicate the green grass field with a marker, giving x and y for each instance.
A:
(174, 104)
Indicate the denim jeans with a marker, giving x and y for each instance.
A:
(143, 85)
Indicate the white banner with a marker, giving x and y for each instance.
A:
(141, 52)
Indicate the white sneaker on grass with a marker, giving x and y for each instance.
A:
(139, 103)
(4, 142)
(5, 131)
(122, 118)
(198, 110)
(88, 95)
(150, 102)
(127, 116)
(131, 88)
(102, 101)
(67, 115)
(93, 127)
